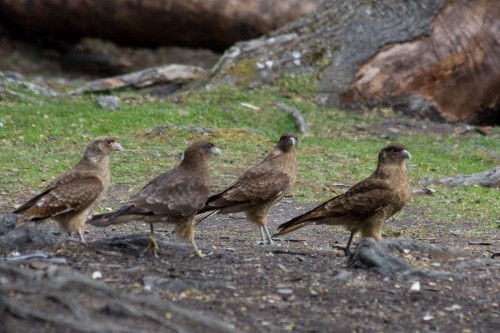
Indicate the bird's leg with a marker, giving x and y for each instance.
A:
(68, 236)
(80, 236)
(265, 236)
(262, 236)
(196, 251)
(346, 250)
(271, 242)
(152, 241)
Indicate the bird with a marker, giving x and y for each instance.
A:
(173, 197)
(72, 196)
(368, 204)
(259, 188)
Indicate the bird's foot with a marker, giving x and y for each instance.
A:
(267, 242)
(346, 250)
(196, 251)
(80, 237)
(153, 244)
(69, 238)
(199, 254)
(266, 238)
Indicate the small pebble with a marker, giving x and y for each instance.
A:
(285, 291)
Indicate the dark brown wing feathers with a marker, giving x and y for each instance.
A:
(178, 193)
(175, 192)
(256, 185)
(385, 191)
(73, 192)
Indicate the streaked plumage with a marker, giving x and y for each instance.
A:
(72, 196)
(173, 197)
(259, 188)
(368, 204)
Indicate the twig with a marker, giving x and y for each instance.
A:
(40, 256)
(490, 152)
(297, 116)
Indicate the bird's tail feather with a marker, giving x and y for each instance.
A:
(101, 220)
(205, 215)
(292, 225)
(104, 220)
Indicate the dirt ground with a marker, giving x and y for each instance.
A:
(300, 285)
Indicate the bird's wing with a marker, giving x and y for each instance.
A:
(172, 193)
(255, 186)
(69, 193)
(364, 198)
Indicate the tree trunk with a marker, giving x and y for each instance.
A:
(437, 59)
(215, 24)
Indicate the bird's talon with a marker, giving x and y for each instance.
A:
(266, 243)
(153, 244)
(345, 249)
(199, 254)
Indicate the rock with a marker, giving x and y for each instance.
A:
(158, 283)
(24, 236)
(285, 291)
(378, 258)
(7, 223)
(370, 255)
(108, 102)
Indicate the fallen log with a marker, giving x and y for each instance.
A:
(57, 299)
(214, 24)
(176, 74)
(435, 59)
(488, 178)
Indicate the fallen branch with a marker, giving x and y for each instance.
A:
(488, 178)
(489, 152)
(178, 74)
(39, 256)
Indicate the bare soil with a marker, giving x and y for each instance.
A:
(301, 285)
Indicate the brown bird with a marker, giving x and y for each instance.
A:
(366, 205)
(259, 188)
(173, 197)
(71, 197)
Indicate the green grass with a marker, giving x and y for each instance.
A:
(43, 137)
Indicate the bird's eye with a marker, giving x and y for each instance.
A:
(109, 142)
(395, 150)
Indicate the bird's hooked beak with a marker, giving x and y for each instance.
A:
(293, 141)
(407, 154)
(216, 151)
(116, 146)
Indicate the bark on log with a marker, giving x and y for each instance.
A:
(488, 178)
(57, 299)
(176, 73)
(215, 24)
(436, 59)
